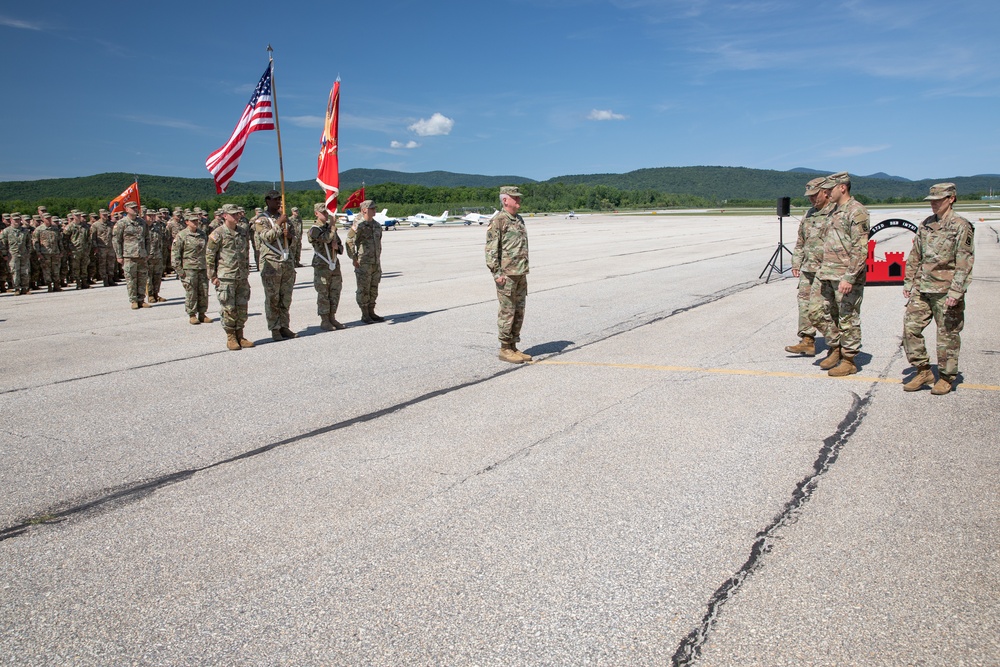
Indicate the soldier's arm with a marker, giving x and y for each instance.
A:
(492, 246)
(212, 258)
(177, 256)
(352, 251)
(913, 261)
(965, 255)
(858, 257)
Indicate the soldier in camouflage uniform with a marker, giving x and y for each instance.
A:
(842, 276)
(158, 240)
(938, 273)
(227, 257)
(295, 220)
(47, 239)
(78, 233)
(15, 243)
(327, 278)
(175, 225)
(806, 261)
(131, 242)
(188, 258)
(4, 264)
(507, 260)
(364, 247)
(101, 240)
(277, 267)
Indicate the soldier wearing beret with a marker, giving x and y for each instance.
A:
(188, 258)
(277, 266)
(806, 260)
(842, 276)
(364, 247)
(938, 273)
(131, 242)
(507, 260)
(327, 277)
(227, 258)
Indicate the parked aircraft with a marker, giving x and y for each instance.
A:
(478, 218)
(424, 219)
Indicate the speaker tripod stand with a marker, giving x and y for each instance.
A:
(776, 262)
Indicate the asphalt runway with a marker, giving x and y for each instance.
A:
(664, 484)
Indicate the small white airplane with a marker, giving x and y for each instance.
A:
(424, 219)
(478, 218)
(382, 218)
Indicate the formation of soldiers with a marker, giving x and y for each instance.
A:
(830, 261)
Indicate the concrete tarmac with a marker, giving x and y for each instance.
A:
(664, 484)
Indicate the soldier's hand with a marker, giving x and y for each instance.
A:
(282, 219)
(357, 264)
(121, 261)
(215, 281)
(951, 302)
(906, 294)
(795, 273)
(845, 287)
(500, 280)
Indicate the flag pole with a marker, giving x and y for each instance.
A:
(277, 127)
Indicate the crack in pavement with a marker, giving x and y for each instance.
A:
(690, 648)
(108, 499)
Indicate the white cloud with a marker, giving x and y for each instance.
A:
(429, 127)
(17, 23)
(408, 144)
(306, 121)
(606, 114)
(852, 151)
(160, 121)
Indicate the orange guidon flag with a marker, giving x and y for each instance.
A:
(328, 168)
(131, 194)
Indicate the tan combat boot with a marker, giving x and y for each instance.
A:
(831, 360)
(366, 315)
(337, 325)
(204, 319)
(135, 305)
(941, 387)
(806, 347)
(231, 342)
(242, 340)
(325, 324)
(287, 333)
(509, 355)
(144, 304)
(524, 357)
(194, 319)
(923, 378)
(845, 367)
(371, 314)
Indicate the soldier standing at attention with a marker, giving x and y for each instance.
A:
(296, 222)
(364, 247)
(938, 273)
(327, 278)
(842, 276)
(806, 261)
(46, 239)
(277, 266)
(158, 240)
(227, 257)
(15, 243)
(100, 239)
(131, 243)
(188, 258)
(507, 260)
(78, 232)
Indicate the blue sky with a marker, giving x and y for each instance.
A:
(534, 88)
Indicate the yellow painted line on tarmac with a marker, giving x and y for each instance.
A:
(818, 375)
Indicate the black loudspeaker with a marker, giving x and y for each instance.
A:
(784, 207)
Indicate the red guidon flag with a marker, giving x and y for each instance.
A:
(258, 115)
(131, 194)
(355, 199)
(328, 167)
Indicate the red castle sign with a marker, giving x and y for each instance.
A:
(892, 269)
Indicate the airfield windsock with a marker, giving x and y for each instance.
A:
(131, 194)
(328, 164)
(355, 199)
(258, 115)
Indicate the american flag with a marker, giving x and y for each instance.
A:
(257, 116)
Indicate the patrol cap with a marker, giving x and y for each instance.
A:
(295, 209)
(131, 204)
(941, 190)
(814, 186)
(6, 216)
(368, 203)
(103, 210)
(272, 194)
(319, 206)
(164, 210)
(841, 177)
(231, 209)
(42, 209)
(511, 191)
(192, 217)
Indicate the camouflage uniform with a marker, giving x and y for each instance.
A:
(130, 241)
(158, 243)
(4, 263)
(845, 255)
(327, 278)
(227, 257)
(939, 266)
(364, 246)
(277, 271)
(48, 247)
(507, 255)
(295, 220)
(15, 243)
(807, 259)
(101, 233)
(188, 257)
(78, 233)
